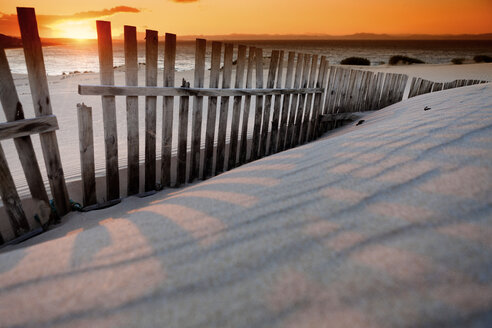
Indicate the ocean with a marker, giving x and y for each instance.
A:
(83, 56)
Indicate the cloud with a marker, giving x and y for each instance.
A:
(104, 12)
(184, 1)
(10, 26)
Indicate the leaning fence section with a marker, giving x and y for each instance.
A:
(349, 90)
(285, 111)
(421, 86)
(20, 130)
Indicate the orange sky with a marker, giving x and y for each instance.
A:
(187, 17)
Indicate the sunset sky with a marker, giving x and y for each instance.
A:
(207, 17)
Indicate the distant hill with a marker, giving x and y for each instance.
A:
(13, 42)
(9, 42)
(357, 36)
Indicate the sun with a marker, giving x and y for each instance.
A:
(74, 29)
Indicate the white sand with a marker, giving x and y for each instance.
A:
(64, 98)
(386, 224)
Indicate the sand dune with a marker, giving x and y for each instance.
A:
(379, 225)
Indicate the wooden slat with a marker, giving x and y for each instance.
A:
(255, 143)
(317, 103)
(212, 110)
(40, 95)
(131, 79)
(109, 110)
(355, 80)
(340, 95)
(302, 101)
(437, 87)
(26, 127)
(331, 89)
(168, 109)
(367, 83)
(343, 78)
(10, 199)
(224, 110)
(370, 91)
(289, 79)
(309, 100)
(330, 96)
(341, 100)
(247, 105)
(272, 72)
(151, 44)
(86, 146)
(184, 107)
(366, 80)
(196, 120)
(403, 85)
(101, 90)
(393, 89)
(385, 90)
(236, 108)
(294, 101)
(415, 88)
(276, 106)
(379, 88)
(13, 111)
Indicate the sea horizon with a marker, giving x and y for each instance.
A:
(82, 56)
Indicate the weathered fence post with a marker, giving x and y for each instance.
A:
(13, 111)
(11, 199)
(184, 105)
(151, 44)
(276, 106)
(302, 101)
(243, 149)
(224, 109)
(236, 108)
(286, 102)
(168, 109)
(293, 104)
(272, 71)
(109, 110)
(40, 95)
(212, 110)
(196, 127)
(86, 145)
(309, 100)
(131, 79)
(255, 143)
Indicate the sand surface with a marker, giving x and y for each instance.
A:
(64, 97)
(385, 224)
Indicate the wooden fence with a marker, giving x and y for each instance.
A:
(421, 86)
(303, 83)
(289, 110)
(20, 129)
(301, 98)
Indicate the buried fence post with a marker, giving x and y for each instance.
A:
(86, 145)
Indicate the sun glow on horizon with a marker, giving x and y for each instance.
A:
(75, 29)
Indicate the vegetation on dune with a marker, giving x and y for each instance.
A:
(399, 59)
(356, 61)
(482, 59)
(457, 61)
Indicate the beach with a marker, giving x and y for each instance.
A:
(64, 97)
(382, 224)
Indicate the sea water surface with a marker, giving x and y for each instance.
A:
(83, 56)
